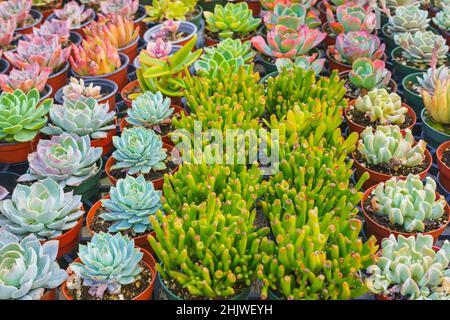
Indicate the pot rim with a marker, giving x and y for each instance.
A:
(410, 77)
(64, 69)
(129, 45)
(76, 34)
(395, 52)
(422, 113)
(440, 150)
(60, 96)
(152, 30)
(37, 15)
(5, 64)
(141, 11)
(123, 58)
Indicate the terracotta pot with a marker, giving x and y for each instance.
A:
(17, 152)
(130, 50)
(49, 294)
(128, 88)
(354, 127)
(185, 27)
(59, 79)
(37, 21)
(106, 144)
(119, 76)
(158, 183)
(48, 11)
(139, 20)
(377, 177)
(323, 11)
(444, 170)
(166, 139)
(380, 232)
(148, 260)
(69, 239)
(140, 241)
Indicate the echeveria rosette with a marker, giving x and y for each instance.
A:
(125, 8)
(55, 27)
(35, 49)
(408, 203)
(283, 42)
(409, 266)
(82, 117)
(367, 74)
(235, 47)
(132, 201)
(304, 62)
(157, 49)
(19, 9)
(442, 19)
(77, 90)
(7, 28)
(28, 267)
(292, 16)
(150, 110)
(107, 262)
(429, 79)
(408, 19)
(68, 159)
(42, 209)
(356, 44)
(351, 18)
(33, 76)
(139, 150)
(74, 13)
(20, 116)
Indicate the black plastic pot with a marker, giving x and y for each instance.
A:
(109, 88)
(75, 38)
(209, 5)
(48, 90)
(4, 66)
(37, 16)
(8, 180)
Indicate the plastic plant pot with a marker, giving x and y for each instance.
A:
(4, 66)
(139, 20)
(172, 296)
(354, 127)
(69, 239)
(444, 170)
(47, 93)
(59, 79)
(186, 27)
(131, 50)
(119, 76)
(344, 75)
(147, 294)
(432, 136)
(157, 183)
(402, 70)
(129, 88)
(380, 232)
(8, 180)
(49, 294)
(89, 188)
(17, 152)
(105, 143)
(209, 5)
(48, 11)
(377, 177)
(389, 39)
(412, 98)
(197, 19)
(341, 67)
(267, 76)
(78, 29)
(75, 38)
(108, 91)
(139, 241)
(37, 16)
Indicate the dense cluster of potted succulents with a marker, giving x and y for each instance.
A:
(111, 94)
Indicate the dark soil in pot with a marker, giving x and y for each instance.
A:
(152, 175)
(215, 36)
(353, 92)
(33, 21)
(446, 157)
(128, 291)
(441, 127)
(386, 168)
(399, 58)
(359, 118)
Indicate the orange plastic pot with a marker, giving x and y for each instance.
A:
(444, 170)
(354, 127)
(58, 80)
(330, 39)
(17, 152)
(377, 177)
(119, 76)
(147, 294)
(157, 183)
(49, 294)
(37, 16)
(130, 50)
(139, 20)
(105, 143)
(140, 241)
(380, 232)
(69, 239)
(128, 88)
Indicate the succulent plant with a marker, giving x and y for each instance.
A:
(44, 3)
(220, 61)
(74, 13)
(149, 110)
(292, 16)
(3, 193)
(42, 209)
(408, 19)
(234, 20)
(82, 117)
(409, 267)
(68, 159)
(131, 204)
(28, 267)
(166, 74)
(438, 4)
(304, 62)
(270, 5)
(7, 28)
(76, 89)
(283, 42)
(20, 116)
(26, 79)
(94, 57)
(139, 150)
(124, 8)
(387, 146)
(236, 47)
(107, 262)
(368, 75)
(408, 203)
(429, 79)
(157, 49)
(60, 28)
(393, 4)
(161, 10)
(382, 107)
(418, 48)
(442, 19)
(19, 9)
(118, 30)
(167, 32)
(35, 49)
(437, 104)
(356, 44)
(351, 18)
